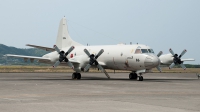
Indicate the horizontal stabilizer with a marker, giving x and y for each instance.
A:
(41, 47)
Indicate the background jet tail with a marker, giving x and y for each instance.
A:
(63, 38)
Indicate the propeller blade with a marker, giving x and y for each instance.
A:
(172, 65)
(86, 51)
(103, 70)
(171, 51)
(70, 64)
(69, 50)
(183, 52)
(159, 69)
(56, 48)
(56, 64)
(160, 53)
(183, 66)
(87, 67)
(100, 52)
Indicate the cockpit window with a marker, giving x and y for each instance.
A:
(152, 51)
(144, 51)
(138, 51)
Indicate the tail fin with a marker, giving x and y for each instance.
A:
(63, 38)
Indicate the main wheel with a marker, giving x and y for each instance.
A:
(78, 76)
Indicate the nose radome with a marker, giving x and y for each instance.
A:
(151, 61)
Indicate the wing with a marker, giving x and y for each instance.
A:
(32, 58)
(41, 47)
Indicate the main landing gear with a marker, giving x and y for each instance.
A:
(134, 75)
(76, 75)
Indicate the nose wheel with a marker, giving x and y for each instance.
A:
(140, 78)
(76, 75)
(134, 75)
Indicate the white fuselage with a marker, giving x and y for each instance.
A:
(117, 57)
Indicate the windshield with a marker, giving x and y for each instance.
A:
(144, 51)
(150, 50)
(140, 51)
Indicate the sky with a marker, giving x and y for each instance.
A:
(160, 24)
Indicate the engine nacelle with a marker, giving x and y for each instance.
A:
(166, 59)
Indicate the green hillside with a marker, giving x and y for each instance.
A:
(18, 51)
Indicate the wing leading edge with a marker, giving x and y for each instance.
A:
(32, 58)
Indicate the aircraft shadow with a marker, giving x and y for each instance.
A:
(92, 78)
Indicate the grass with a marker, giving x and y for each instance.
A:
(18, 69)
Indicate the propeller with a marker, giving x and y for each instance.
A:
(177, 59)
(158, 67)
(93, 60)
(63, 56)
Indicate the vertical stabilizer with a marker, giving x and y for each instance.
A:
(63, 38)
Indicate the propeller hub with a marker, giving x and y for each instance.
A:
(177, 59)
(63, 56)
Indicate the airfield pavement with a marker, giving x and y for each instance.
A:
(57, 92)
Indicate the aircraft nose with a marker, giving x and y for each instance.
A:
(151, 61)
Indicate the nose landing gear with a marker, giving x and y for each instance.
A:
(134, 75)
(76, 75)
(140, 78)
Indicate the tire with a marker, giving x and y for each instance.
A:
(74, 76)
(78, 76)
(140, 78)
(131, 76)
(135, 76)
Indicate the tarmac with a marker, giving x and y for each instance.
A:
(57, 92)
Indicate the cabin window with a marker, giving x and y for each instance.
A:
(138, 51)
